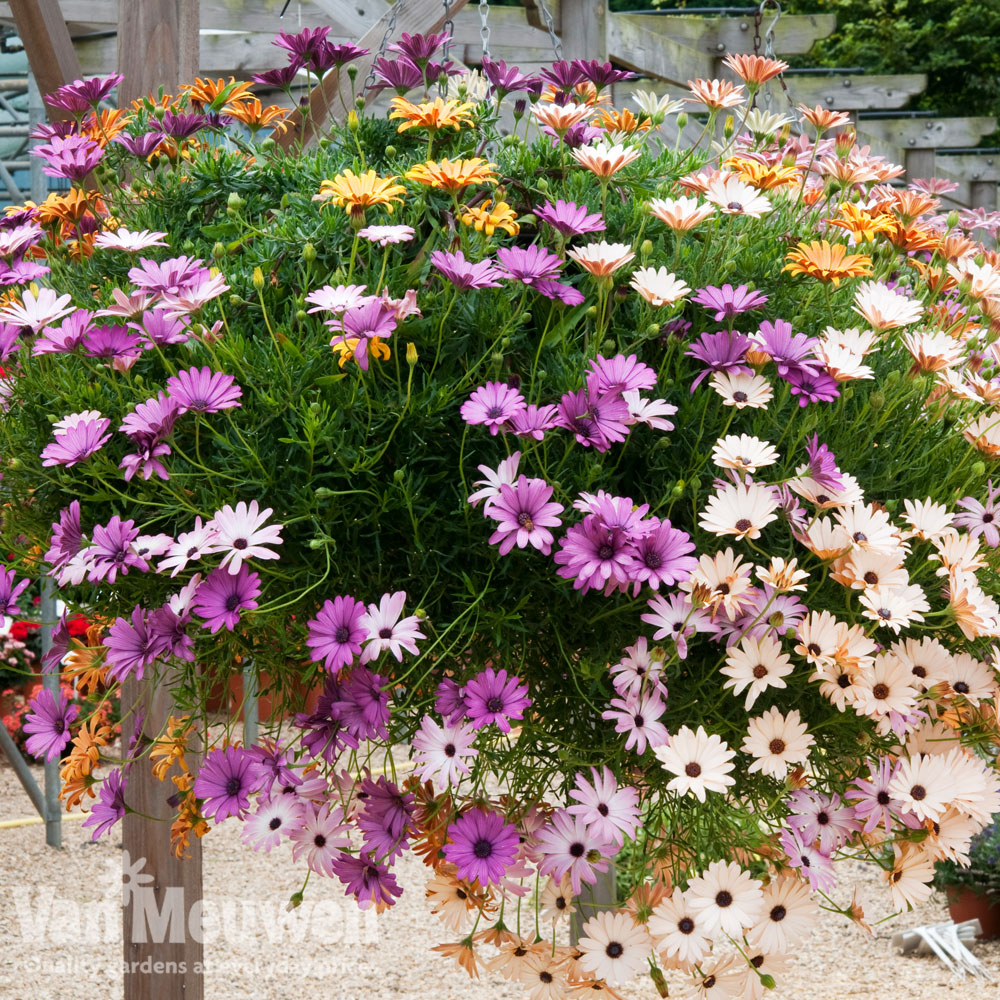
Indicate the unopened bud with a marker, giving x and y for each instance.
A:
(235, 300)
(978, 469)
(653, 330)
(767, 981)
(308, 253)
(234, 200)
(952, 220)
(542, 184)
(320, 542)
(645, 248)
(411, 353)
(294, 901)
(399, 475)
(390, 150)
(258, 278)
(682, 119)
(728, 128)
(520, 106)
(353, 122)
(592, 311)
(301, 315)
(323, 493)
(352, 72)
(876, 400)
(219, 250)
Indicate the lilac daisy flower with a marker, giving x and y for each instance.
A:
(66, 337)
(482, 846)
(363, 705)
(524, 515)
(449, 701)
(508, 79)
(174, 275)
(167, 625)
(241, 534)
(281, 78)
(440, 751)
(529, 265)
(386, 819)
(113, 553)
(533, 422)
(110, 805)
(674, 618)
(596, 421)
(563, 75)
(386, 631)
(823, 465)
(492, 696)
(727, 301)
(153, 419)
(815, 865)
(724, 351)
(181, 126)
(140, 146)
(981, 520)
(336, 633)
(82, 94)
(419, 48)
(130, 646)
(820, 819)
(9, 592)
(225, 782)
(812, 386)
(505, 472)
(223, 595)
(621, 374)
(567, 847)
(609, 812)
(320, 836)
(203, 391)
(47, 723)
(361, 324)
(789, 351)
(77, 441)
(67, 536)
(591, 556)
(189, 547)
(368, 880)
(602, 74)
(303, 45)
(566, 294)
(279, 815)
(324, 734)
(640, 719)
(873, 802)
(492, 404)
(570, 219)
(400, 74)
(157, 327)
(466, 275)
(112, 342)
(661, 556)
(72, 157)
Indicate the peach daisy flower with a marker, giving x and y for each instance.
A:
(883, 308)
(728, 898)
(971, 678)
(869, 529)
(615, 948)
(736, 197)
(754, 70)
(895, 608)
(743, 452)
(602, 259)
(932, 350)
(929, 520)
(680, 214)
(922, 785)
(975, 280)
(826, 497)
(740, 510)
(950, 837)
(911, 876)
(679, 932)
(824, 538)
(700, 761)
(842, 363)
(927, 660)
(861, 570)
(755, 666)
(931, 738)
(715, 94)
(561, 117)
(605, 161)
(775, 741)
(720, 580)
(788, 914)
(822, 119)
(957, 554)
(658, 286)
(885, 686)
(753, 391)
(783, 575)
(976, 613)
(984, 434)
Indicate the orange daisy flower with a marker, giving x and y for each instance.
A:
(585, 91)
(86, 752)
(622, 121)
(203, 93)
(912, 237)
(715, 94)
(71, 206)
(860, 224)
(255, 116)
(754, 70)
(488, 218)
(827, 261)
(934, 276)
(84, 666)
(74, 790)
(169, 748)
(452, 175)
(762, 176)
(356, 193)
(433, 115)
(956, 245)
(105, 126)
(822, 118)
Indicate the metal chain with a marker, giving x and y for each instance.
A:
(769, 52)
(449, 28)
(553, 37)
(390, 28)
(484, 30)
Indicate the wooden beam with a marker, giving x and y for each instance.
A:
(533, 12)
(163, 957)
(324, 102)
(972, 166)
(157, 46)
(924, 133)
(847, 92)
(48, 46)
(584, 29)
(793, 34)
(640, 42)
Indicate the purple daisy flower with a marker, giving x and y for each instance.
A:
(72, 156)
(180, 126)
(386, 631)
(9, 592)
(823, 465)
(492, 696)
(111, 342)
(602, 74)
(363, 707)
(419, 48)
(368, 880)
(508, 79)
(661, 556)
(47, 723)
(492, 404)
(981, 520)
(222, 596)
(67, 536)
(336, 633)
(724, 351)
(82, 94)
(621, 374)
(466, 275)
(533, 421)
(524, 515)
(482, 846)
(529, 265)
(569, 218)
(386, 819)
(225, 783)
(593, 557)
(77, 441)
(400, 74)
(449, 701)
(304, 44)
(323, 733)
(131, 647)
(167, 627)
(812, 386)
(728, 301)
(331, 55)
(361, 324)
(110, 805)
(66, 337)
(169, 277)
(152, 419)
(280, 78)
(566, 294)
(788, 350)
(113, 553)
(563, 75)
(140, 146)
(162, 329)
(203, 391)
(596, 421)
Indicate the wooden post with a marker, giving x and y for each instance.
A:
(583, 29)
(983, 194)
(425, 16)
(919, 163)
(593, 899)
(48, 46)
(157, 46)
(161, 927)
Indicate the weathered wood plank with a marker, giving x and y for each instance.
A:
(533, 12)
(972, 166)
(793, 34)
(637, 41)
(157, 46)
(48, 46)
(856, 93)
(584, 29)
(925, 133)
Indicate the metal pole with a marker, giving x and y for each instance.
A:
(250, 714)
(50, 680)
(36, 116)
(22, 771)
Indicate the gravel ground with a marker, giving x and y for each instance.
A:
(328, 950)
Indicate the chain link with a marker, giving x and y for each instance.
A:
(449, 29)
(484, 30)
(390, 28)
(550, 25)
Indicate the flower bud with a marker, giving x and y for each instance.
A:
(219, 250)
(520, 106)
(294, 901)
(258, 278)
(399, 475)
(728, 128)
(421, 613)
(592, 311)
(767, 981)
(234, 200)
(268, 144)
(323, 493)
(301, 315)
(411, 353)
(235, 300)
(158, 112)
(653, 330)
(876, 400)
(308, 253)
(678, 489)
(542, 184)
(682, 119)
(645, 248)
(608, 346)
(352, 72)
(978, 469)
(952, 219)
(390, 150)
(659, 981)
(353, 122)
(497, 358)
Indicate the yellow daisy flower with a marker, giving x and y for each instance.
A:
(827, 261)
(357, 192)
(452, 175)
(434, 115)
(488, 218)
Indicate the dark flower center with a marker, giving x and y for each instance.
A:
(776, 746)
(778, 912)
(881, 691)
(342, 634)
(233, 601)
(606, 551)
(494, 411)
(603, 809)
(240, 543)
(545, 977)
(987, 518)
(692, 770)
(724, 898)
(191, 552)
(461, 894)
(961, 687)
(639, 721)
(919, 671)
(495, 704)
(319, 840)
(708, 983)
(233, 786)
(482, 848)
(760, 671)
(813, 648)
(560, 902)
(275, 823)
(743, 524)
(822, 818)
(723, 588)
(577, 850)
(860, 536)
(844, 681)
(525, 521)
(918, 792)
(740, 396)
(449, 750)
(882, 798)
(884, 613)
(757, 961)
(653, 560)
(385, 633)
(871, 578)
(614, 950)
(685, 925)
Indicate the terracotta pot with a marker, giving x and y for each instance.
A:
(266, 705)
(964, 904)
